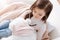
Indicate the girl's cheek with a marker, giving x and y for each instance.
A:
(34, 14)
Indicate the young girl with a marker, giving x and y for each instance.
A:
(40, 11)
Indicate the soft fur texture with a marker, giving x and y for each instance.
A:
(12, 11)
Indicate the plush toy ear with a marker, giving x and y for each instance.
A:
(28, 21)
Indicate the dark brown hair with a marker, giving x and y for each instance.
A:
(41, 4)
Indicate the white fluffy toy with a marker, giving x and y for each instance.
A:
(21, 30)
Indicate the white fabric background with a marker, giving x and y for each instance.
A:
(54, 18)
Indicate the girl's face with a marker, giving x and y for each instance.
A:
(38, 13)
